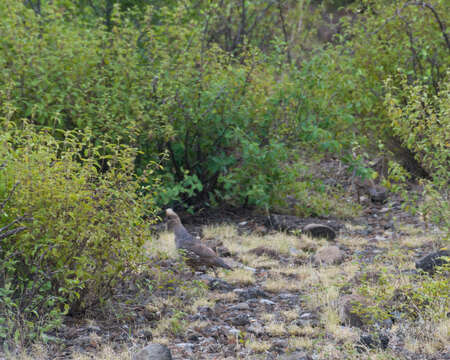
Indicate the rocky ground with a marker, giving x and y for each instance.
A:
(290, 296)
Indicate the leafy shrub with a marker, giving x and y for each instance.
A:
(423, 125)
(221, 126)
(86, 232)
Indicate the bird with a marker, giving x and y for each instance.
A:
(196, 253)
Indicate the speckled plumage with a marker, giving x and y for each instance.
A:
(196, 253)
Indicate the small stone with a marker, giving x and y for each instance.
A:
(329, 255)
(287, 296)
(93, 328)
(297, 355)
(267, 302)
(234, 332)
(240, 306)
(187, 347)
(153, 352)
(294, 252)
(363, 199)
(242, 223)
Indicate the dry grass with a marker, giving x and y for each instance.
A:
(200, 302)
(343, 334)
(353, 242)
(306, 331)
(240, 276)
(258, 346)
(268, 317)
(290, 315)
(415, 241)
(279, 284)
(222, 232)
(429, 338)
(228, 296)
(318, 287)
(107, 353)
(275, 328)
(303, 343)
(410, 229)
(165, 244)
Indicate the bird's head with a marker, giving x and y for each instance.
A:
(172, 219)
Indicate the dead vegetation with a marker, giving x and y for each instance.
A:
(277, 300)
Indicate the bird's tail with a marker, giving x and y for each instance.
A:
(223, 264)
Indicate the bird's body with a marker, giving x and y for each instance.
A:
(196, 253)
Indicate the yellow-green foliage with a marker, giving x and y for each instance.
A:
(86, 228)
(421, 120)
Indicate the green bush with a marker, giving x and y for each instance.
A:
(423, 125)
(221, 126)
(86, 231)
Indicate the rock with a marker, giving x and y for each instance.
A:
(353, 310)
(267, 302)
(249, 268)
(240, 320)
(306, 316)
(256, 328)
(234, 332)
(250, 293)
(240, 306)
(329, 255)
(153, 352)
(146, 334)
(378, 194)
(429, 262)
(319, 231)
(288, 296)
(372, 341)
(219, 284)
(379, 238)
(294, 252)
(297, 355)
(186, 347)
(279, 345)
